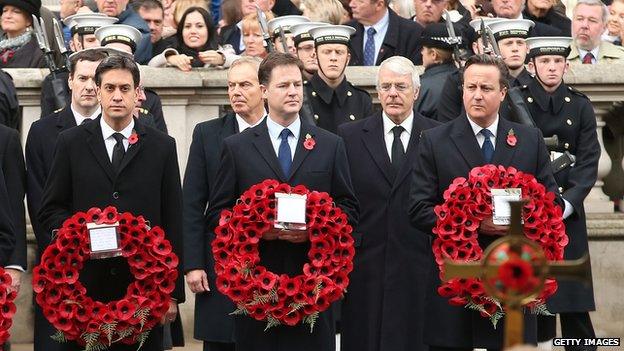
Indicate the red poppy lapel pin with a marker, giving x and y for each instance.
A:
(511, 138)
(309, 142)
(134, 138)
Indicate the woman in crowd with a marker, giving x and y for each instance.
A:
(197, 44)
(18, 45)
(252, 35)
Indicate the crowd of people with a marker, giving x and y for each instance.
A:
(386, 169)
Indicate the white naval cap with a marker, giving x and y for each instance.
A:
(301, 33)
(119, 33)
(539, 46)
(88, 23)
(511, 28)
(476, 23)
(332, 34)
(285, 22)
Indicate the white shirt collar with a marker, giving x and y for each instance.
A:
(381, 25)
(594, 52)
(107, 131)
(476, 129)
(388, 124)
(80, 118)
(275, 129)
(242, 124)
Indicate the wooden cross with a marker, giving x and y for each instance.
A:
(507, 251)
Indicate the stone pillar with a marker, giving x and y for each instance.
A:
(597, 201)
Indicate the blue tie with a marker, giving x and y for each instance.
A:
(369, 48)
(487, 148)
(283, 154)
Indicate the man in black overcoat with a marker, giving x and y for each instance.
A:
(449, 151)
(96, 166)
(12, 220)
(213, 322)
(391, 34)
(40, 145)
(559, 109)
(384, 305)
(274, 150)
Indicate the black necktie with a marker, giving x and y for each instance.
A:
(398, 152)
(118, 151)
(85, 121)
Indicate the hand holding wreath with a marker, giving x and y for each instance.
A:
(281, 299)
(467, 204)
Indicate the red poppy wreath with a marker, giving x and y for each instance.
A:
(94, 324)
(267, 296)
(7, 306)
(467, 202)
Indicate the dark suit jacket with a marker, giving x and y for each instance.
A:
(14, 183)
(9, 105)
(212, 309)
(40, 145)
(402, 38)
(249, 158)
(552, 19)
(82, 177)
(231, 34)
(12, 221)
(384, 305)
(447, 152)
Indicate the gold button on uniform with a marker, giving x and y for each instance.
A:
(569, 122)
(566, 146)
(530, 99)
(567, 99)
(352, 117)
(316, 117)
(349, 93)
(314, 93)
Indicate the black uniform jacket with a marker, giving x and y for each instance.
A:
(333, 107)
(569, 114)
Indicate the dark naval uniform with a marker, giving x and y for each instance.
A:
(569, 114)
(431, 84)
(48, 101)
(333, 107)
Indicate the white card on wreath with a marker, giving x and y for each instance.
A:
(103, 240)
(501, 210)
(291, 209)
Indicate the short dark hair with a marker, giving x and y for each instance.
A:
(148, 5)
(118, 62)
(487, 60)
(86, 55)
(276, 59)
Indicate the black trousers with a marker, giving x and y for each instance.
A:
(573, 325)
(218, 346)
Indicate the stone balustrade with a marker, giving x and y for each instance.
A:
(190, 98)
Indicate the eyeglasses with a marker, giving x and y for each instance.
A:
(400, 87)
